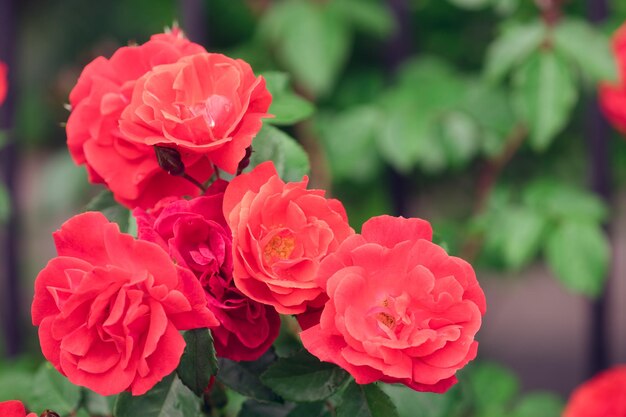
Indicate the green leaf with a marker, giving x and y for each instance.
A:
(53, 391)
(459, 138)
(350, 142)
(579, 253)
(15, 384)
(105, 203)
(252, 408)
(287, 107)
(290, 159)
(539, 405)
(198, 362)
(5, 204)
(545, 94)
(317, 409)
(365, 401)
(366, 15)
(493, 386)
(589, 48)
(287, 26)
(304, 378)
(470, 4)
(524, 232)
(169, 398)
(429, 404)
(512, 47)
(97, 404)
(498, 122)
(563, 201)
(244, 377)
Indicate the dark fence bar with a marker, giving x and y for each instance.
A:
(598, 136)
(398, 50)
(193, 15)
(10, 295)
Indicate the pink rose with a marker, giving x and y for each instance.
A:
(281, 233)
(399, 310)
(207, 104)
(604, 395)
(4, 85)
(14, 409)
(613, 96)
(110, 308)
(129, 169)
(197, 237)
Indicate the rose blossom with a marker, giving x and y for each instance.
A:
(4, 85)
(613, 96)
(14, 409)
(400, 309)
(206, 104)
(197, 237)
(129, 169)
(281, 233)
(109, 308)
(603, 395)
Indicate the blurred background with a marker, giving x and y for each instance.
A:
(478, 115)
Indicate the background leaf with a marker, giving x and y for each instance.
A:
(287, 107)
(545, 94)
(513, 46)
(586, 47)
(290, 25)
(579, 253)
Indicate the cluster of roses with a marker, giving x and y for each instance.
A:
(154, 123)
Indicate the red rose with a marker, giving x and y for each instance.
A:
(4, 85)
(14, 409)
(196, 235)
(281, 233)
(602, 396)
(130, 170)
(613, 96)
(109, 308)
(400, 309)
(206, 104)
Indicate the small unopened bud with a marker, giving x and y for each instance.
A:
(49, 413)
(169, 159)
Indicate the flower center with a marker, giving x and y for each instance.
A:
(279, 247)
(386, 319)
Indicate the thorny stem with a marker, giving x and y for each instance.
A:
(487, 181)
(492, 170)
(550, 11)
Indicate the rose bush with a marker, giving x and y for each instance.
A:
(281, 233)
(129, 169)
(208, 105)
(399, 310)
(196, 236)
(14, 409)
(613, 96)
(602, 396)
(109, 308)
